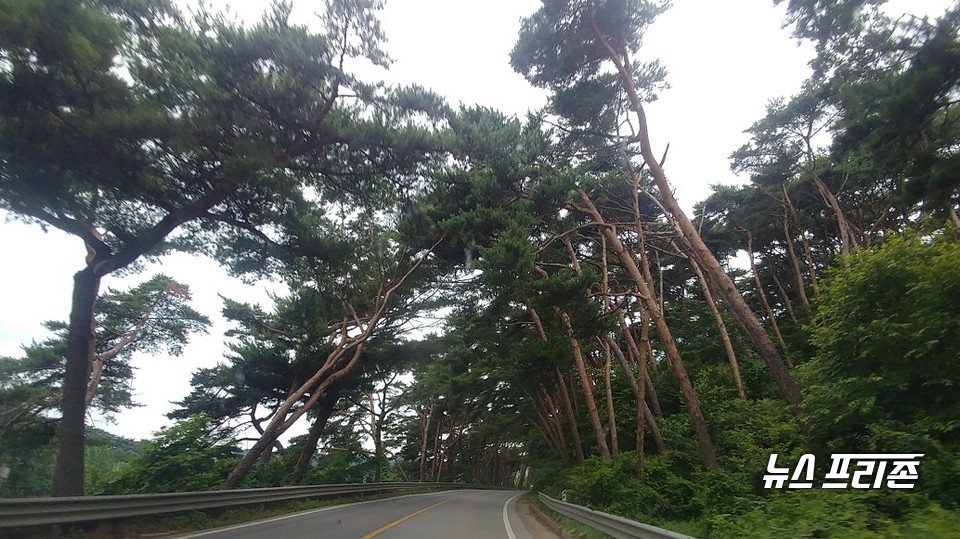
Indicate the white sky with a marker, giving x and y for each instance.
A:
(726, 60)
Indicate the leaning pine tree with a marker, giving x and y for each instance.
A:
(582, 50)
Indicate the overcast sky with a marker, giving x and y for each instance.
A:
(726, 60)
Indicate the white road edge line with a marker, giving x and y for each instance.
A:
(506, 519)
(298, 514)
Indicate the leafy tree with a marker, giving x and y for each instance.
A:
(151, 317)
(375, 411)
(885, 374)
(884, 87)
(136, 129)
(347, 312)
(342, 459)
(460, 419)
(584, 51)
(31, 457)
(29, 389)
(556, 239)
(105, 455)
(193, 454)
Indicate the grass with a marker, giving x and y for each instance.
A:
(572, 527)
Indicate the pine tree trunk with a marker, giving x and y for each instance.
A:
(846, 237)
(572, 391)
(333, 369)
(644, 415)
(722, 328)
(605, 343)
(722, 282)
(586, 384)
(647, 350)
(611, 413)
(794, 263)
(663, 331)
(325, 409)
(551, 430)
(786, 298)
(638, 387)
(379, 455)
(762, 294)
(547, 436)
(655, 431)
(652, 397)
(807, 252)
(424, 432)
(96, 375)
(280, 422)
(552, 407)
(561, 387)
(97, 361)
(571, 417)
(745, 317)
(437, 453)
(646, 356)
(68, 477)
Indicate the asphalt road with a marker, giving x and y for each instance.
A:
(463, 514)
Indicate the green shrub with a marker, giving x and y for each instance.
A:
(887, 369)
(191, 455)
(547, 475)
(613, 486)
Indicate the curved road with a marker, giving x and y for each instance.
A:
(464, 514)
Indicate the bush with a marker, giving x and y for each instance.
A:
(547, 475)
(191, 455)
(887, 369)
(613, 486)
(828, 513)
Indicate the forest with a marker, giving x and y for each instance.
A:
(597, 339)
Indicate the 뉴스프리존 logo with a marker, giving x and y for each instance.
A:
(848, 470)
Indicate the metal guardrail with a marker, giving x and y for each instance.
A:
(612, 525)
(46, 511)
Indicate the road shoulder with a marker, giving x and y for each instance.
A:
(539, 525)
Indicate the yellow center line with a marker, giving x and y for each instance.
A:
(402, 520)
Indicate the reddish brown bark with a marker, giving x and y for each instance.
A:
(552, 415)
(722, 282)
(786, 298)
(562, 389)
(340, 362)
(762, 294)
(792, 256)
(326, 407)
(586, 385)
(663, 331)
(722, 328)
(571, 417)
(807, 252)
(551, 431)
(611, 413)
